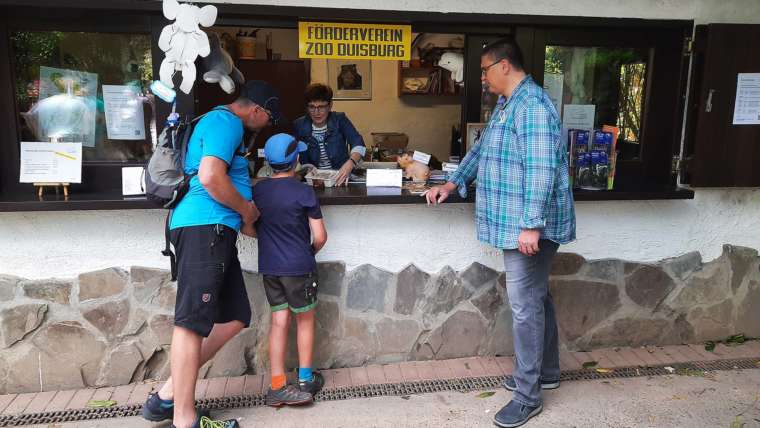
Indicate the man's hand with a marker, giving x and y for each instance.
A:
(527, 242)
(250, 213)
(438, 194)
(344, 173)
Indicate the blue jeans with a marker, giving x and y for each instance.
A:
(534, 322)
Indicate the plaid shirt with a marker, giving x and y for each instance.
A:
(522, 171)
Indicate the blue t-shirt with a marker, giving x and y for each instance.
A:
(283, 229)
(219, 134)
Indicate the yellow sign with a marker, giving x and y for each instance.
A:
(354, 41)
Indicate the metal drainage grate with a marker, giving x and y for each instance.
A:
(381, 390)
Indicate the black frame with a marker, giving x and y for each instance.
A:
(663, 104)
(650, 179)
(101, 177)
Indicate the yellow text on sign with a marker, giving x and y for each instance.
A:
(354, 41)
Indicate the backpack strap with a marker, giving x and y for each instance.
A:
(240, 150)
(167, 249)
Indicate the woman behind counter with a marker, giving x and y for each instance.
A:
(328, 133)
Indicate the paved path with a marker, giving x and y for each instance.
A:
(15, 404)
(662, 402)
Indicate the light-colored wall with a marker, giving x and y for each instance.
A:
(425, 119)
(64, 244)
(284, 41)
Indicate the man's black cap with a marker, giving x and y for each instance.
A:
(266, 96)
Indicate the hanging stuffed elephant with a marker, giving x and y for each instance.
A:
(221, 68)
(453, 62)
(183, 41)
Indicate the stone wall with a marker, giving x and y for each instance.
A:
(112, 327)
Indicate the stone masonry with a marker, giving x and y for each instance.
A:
(113, 327)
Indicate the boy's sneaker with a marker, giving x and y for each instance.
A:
(314, 385)
(156, 410)
(510, 385)
(206, 422)
(515, 414)
(288, 395)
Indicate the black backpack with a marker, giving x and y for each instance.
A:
(166, 181)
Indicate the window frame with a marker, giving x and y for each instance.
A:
(663, 109)
(100, 176)
(531, 32)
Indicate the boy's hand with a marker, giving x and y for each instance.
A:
(248, 230)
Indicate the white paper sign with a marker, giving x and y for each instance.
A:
(449, 167)
(553, 84)
(261, 154)
(132, 181)
(747, 107)
(421, 157)
(51, 162)
(124, 112)
(578, 116)
(384, 177)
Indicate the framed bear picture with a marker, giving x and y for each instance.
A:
(351, 79)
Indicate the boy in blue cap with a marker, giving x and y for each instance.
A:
(290, 232)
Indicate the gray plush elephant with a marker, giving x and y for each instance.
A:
(221, 68)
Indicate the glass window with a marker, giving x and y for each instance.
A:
(86, 87)
(612, 79)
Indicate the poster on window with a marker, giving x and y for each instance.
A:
(50, 162)
(553, 85)
(747, 106)
(66, 110)
(124, 112)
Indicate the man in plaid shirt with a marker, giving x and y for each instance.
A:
(524, 206)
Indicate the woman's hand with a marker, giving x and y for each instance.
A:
(344, 173)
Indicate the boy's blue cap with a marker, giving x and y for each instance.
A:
(282, 150)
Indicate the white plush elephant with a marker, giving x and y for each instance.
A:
(183, 41)
(221, 68)
(454, 62)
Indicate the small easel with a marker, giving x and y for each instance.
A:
(41, 188)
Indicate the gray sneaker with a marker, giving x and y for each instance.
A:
(314, 385)
(289, 395)
(510, 385)
(515, 414)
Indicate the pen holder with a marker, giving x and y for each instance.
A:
(246, 47)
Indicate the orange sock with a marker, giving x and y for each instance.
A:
(278, 381)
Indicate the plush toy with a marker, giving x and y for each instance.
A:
(183, 41)
(453, 62)
(413, 169)
(221, 68)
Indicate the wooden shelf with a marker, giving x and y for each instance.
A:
(427, 73)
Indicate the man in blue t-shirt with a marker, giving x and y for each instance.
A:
(290, 217)
(212, 302)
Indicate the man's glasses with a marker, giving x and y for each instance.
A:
(484, 70)
(318, 109)
(269, 114)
